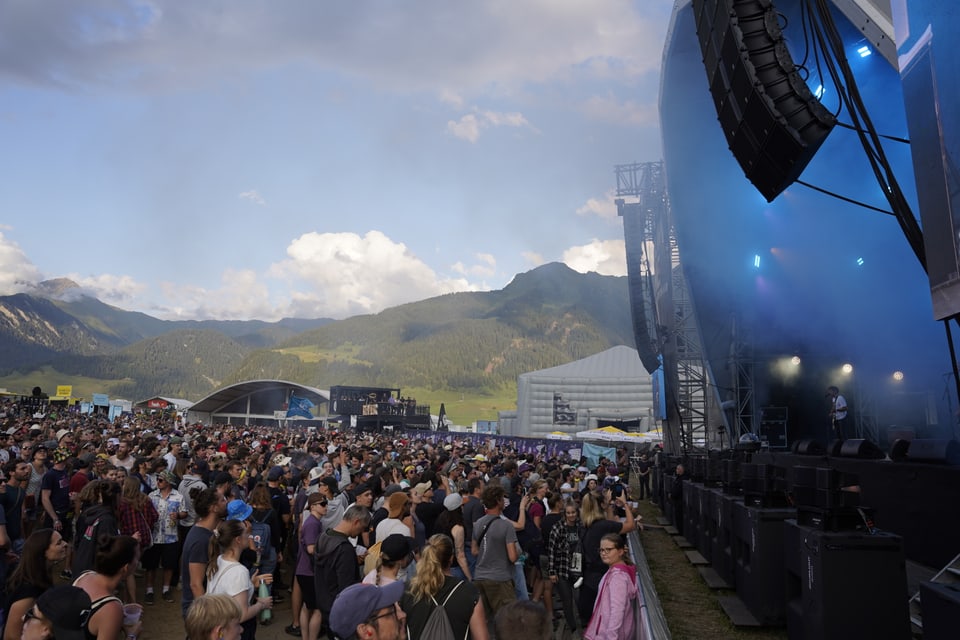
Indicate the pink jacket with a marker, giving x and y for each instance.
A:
(613, 617)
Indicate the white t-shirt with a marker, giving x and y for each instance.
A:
(390, 526)
(231, 578)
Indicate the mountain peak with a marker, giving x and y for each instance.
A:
(56, 287)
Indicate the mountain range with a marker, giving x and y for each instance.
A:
(470, 343)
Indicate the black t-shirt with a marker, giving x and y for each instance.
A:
(428, 512)
(546, 526)
(591, 544)
(459, 608)
(195, 547)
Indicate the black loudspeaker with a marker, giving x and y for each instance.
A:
(863, 449)
(898, 450)
(835, 447)
(809, 448)
(773, 124)
(941, 451)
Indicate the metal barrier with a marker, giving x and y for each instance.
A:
(653, 622)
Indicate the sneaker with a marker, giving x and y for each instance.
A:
(148, 599)
(292, 630)
(66, 574)
(167, 596)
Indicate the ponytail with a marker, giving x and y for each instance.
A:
(436, 557)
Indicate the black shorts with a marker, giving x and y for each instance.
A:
(308, 592)
(66, 522)
(165, 555)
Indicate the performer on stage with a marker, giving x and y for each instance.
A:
(838, 412)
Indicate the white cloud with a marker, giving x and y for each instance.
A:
(468, 127)
(253, 196)
(533, 258)
(610, 109)
(451, 98)
(344, 274)
(485, 266)
(241, 296)
(119, 291)
(604, 207)
(17, 273)
(606, 257)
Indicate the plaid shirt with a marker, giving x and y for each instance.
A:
(558, 547)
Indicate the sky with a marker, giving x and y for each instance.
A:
(246, 159)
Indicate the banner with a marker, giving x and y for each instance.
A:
(300, 407)
(101, 400)
(64, 390)
(562, 413)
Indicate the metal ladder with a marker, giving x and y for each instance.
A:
(950, 574)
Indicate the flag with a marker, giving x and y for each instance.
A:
(300, 407)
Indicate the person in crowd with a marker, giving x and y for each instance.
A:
(495, 546)
(676, 497)
(100, 516)
(547, 523)
(617, 604)
(365, 612)
(211, 508)
(116, 558)
(42, 551)
(565, 559)
(213, 617)
(58, 614)
(396, 550)
(307, 618)
(643, 476)
(34, 511)
(137, 516)
(523, 620)
(337, 562)
(598, 518)
(434, 585)
(399, 519)
(263, 513)
(226, 575)
(55, 498)
(164, 552)
(450, 523)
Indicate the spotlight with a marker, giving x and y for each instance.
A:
(820, 91)
(756, 261)
(898, 375)
(859, 262)
(847, 368)
(864, 51)
(795, 361)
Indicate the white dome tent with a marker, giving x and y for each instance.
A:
(608, 388)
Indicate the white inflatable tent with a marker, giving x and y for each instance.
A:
(605, 388)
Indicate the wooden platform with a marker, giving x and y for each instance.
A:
(712, 578)
(671, 530)
(696, 558)
(737, 612)
(682, 542)
(662, 521)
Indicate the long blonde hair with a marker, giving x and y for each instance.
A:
(436, 558)
(590, 510)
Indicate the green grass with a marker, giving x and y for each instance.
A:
(465, 408)
(48, 378)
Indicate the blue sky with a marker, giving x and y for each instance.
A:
(249, 159)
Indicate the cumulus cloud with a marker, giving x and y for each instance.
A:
(344, 274)
(468, 127)
(253, 196)
(604, 207)
(242, 295)
(120, 291)
(606, 257)
(608, 108)
(484, 267)
(17, 273)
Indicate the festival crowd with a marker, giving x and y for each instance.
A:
(371, 536)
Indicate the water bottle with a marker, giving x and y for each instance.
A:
(264, 592)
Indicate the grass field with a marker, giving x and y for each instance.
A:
(48, 378)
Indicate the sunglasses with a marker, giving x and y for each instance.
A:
(322, 503)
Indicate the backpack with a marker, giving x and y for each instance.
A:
(437, 626)
(260, 534)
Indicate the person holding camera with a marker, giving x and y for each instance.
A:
(597, 514)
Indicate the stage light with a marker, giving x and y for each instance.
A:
(795, 361)
(864, 51)
(756, 261)
(898, 375)
(847, 368)
(859, 262)
(820, 91)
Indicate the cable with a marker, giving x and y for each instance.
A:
(893, 138)
(845, 198)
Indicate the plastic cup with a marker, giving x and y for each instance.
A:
(132, 613)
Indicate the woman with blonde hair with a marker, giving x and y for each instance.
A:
(434, 586)
(617, 605)
(213, 617)
(226, 575)
(598, 518)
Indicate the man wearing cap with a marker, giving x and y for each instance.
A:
(165, 550)
(173, 452)
(55, 498)
(60, 613)
(366, 612)
(309, 618)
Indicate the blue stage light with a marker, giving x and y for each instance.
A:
(756, 261)
(864, 51)
(820, 91)
(859, 262)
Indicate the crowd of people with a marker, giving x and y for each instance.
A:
(369, 535)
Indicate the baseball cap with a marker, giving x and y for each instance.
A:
(357, 603)
(62, 433)
(396, 546)
(453, 501)
(67, 608)
(238, 510)
(275, 474)
(423, 487)
(114, 442)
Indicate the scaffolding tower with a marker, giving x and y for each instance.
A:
(664, 318)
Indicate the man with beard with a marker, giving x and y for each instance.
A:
(211, 507)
